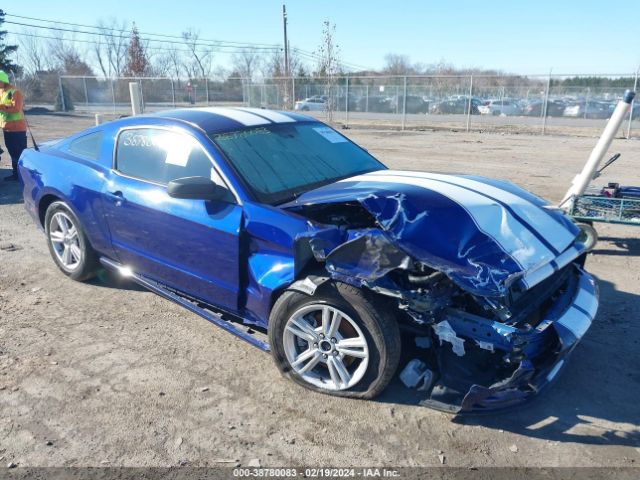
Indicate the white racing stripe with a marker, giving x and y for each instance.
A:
(245, 118)
(554, 232)
(270, 114)
(489, 216)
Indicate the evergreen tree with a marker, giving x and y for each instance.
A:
(6, 51)
(137, 61)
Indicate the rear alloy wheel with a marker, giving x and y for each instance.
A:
(336, 341)
(68, 244)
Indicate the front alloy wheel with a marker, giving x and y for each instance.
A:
(340, 340)
(326, 347)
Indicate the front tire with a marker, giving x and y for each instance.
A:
(589, 235)
(338, 341)
(68, 244)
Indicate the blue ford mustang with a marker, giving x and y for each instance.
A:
(279, 229)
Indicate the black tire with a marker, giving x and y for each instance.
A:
(88, 265)
(374, 320)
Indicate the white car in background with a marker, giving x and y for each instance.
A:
(316, 103)
(500, 106)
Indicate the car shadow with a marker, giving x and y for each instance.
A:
(595, 397)
(10, 192)
(626, 245)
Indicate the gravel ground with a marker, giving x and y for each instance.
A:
(108, 374)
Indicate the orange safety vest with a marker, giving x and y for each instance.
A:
(12, 120)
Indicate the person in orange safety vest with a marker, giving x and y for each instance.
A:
(12, 122)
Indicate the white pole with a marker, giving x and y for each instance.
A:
(134, 92)
(581, 182)
(98, 119)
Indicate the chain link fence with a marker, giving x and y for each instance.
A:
(556, 104)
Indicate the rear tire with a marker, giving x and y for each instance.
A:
(68, 244)
(338, 341)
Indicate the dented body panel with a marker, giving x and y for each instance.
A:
(484, 235)
(514, 257)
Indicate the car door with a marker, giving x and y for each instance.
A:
(188, 245)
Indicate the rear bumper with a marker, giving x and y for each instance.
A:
(545, 351)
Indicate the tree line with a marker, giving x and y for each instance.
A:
(117, 49)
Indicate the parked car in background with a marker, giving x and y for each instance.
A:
(374, 103)
(316, 103)
(458, 105)
(342, 102)
(500, 106)
(588, 109)
(414, 104)
(534, 108)
(282, 231)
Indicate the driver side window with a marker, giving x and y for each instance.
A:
(159, 156)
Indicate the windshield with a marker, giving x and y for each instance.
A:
(283, 160)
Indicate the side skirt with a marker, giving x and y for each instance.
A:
(217, 317)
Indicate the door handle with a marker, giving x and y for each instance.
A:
(117, 197)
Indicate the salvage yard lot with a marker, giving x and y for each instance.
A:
(109, 374)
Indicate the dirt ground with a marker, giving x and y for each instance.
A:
(109, 374)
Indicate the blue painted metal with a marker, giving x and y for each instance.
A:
(481, 243)
(568, 319)
(190, 305)
(629, 192)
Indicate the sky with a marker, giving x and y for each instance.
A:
(514, 36)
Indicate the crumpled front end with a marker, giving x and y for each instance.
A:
(486, 278)
(491, 365)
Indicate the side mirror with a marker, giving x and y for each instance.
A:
(198, 188)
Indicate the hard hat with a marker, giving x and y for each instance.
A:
(4, 78)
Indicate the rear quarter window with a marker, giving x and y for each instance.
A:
(87, 146)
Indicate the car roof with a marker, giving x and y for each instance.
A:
(223, 119)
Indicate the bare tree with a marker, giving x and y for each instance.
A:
(68, 59)
(175, 60)
(111, 46)
(329, 65)
(246, 63)
(159, 64)
(201, 56)
(273, 66)
(34, 52)
(396, 64)
(101, 52)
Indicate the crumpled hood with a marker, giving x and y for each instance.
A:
(484, 234)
